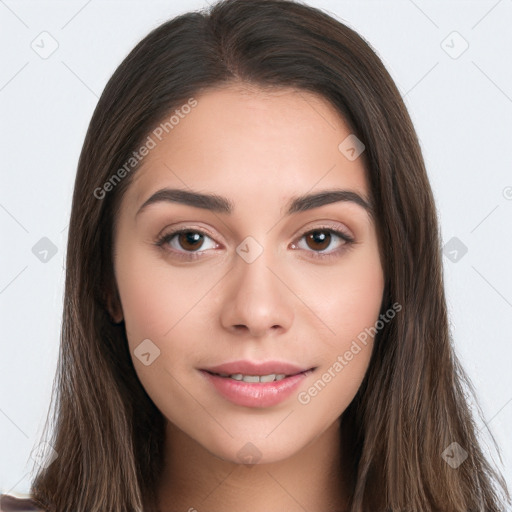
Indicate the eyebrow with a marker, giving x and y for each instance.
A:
(219, 204)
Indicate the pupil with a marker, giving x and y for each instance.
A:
(188, 239)
(320, 237)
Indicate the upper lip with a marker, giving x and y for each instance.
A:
(257, 368)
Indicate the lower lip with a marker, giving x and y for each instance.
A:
(256, 394)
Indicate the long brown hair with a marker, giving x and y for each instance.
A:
(412, 404)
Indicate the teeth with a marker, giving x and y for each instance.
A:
(255, 378)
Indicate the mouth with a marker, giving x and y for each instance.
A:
(271, 377)
(257, 371)
(257, 385)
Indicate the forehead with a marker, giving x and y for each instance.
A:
(244, 141)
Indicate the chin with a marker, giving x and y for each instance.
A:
(251, 450)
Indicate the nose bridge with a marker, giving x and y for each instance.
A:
(253, 272)
(258, 301)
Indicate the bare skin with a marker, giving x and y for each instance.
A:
(301, 300)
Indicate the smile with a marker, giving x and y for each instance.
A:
(259, 391)
(253, 378)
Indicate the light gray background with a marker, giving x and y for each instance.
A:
(461, 107)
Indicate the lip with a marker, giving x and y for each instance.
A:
(257, 368)
(256, 394)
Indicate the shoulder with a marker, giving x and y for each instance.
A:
(12, 504)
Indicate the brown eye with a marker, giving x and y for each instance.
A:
(318, 240)
(186, 240)
(190, 240)
(324, 242)
(186, 244)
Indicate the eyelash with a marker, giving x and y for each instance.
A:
(193, 255)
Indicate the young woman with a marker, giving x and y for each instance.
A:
(254, 309)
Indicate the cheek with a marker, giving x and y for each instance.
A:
(359, 299)
(358, 307)
(158, 305)
(155, 299)
(348, 301)
(350, 307)
(346, 298)
(142, 301)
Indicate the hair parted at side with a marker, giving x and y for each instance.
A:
(412, 404)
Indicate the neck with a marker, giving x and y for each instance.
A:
(195, 479)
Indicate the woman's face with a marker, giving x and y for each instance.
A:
(265, 282)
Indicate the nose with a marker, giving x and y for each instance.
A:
(257, 303)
